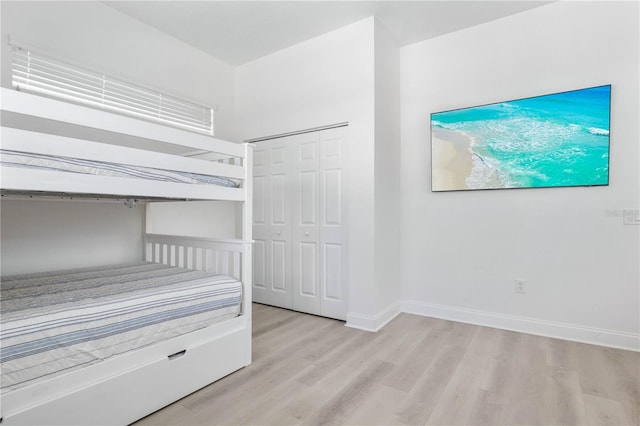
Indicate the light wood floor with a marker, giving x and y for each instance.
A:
(315, 371)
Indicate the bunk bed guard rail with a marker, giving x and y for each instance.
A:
(223, 256)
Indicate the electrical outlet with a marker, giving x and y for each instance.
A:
(521, 286)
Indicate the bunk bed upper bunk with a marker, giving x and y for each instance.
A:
(54, 146)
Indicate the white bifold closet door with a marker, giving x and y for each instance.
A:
(299, 223)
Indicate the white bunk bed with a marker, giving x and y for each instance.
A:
(126, 387)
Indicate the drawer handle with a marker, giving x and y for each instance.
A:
(177, 355)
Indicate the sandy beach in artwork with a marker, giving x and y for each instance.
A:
(451, 159)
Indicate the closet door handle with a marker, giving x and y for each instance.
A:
(278, 232)
(306, 234)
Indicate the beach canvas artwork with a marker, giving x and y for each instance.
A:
(555, 140)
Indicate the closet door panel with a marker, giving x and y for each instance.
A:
(332, 197)
(278, 153)
(308, 274)
(279, 266)
(260, 208)
(259, 254)
(306, 297)
(278, 199)
(308, 198)
(332, 271)
(272, 225)
(333, 227)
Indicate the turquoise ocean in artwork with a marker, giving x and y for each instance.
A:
(553, 140)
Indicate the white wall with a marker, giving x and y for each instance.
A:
(387, 174)
(462, 251)
(322, 81)
(204, 219)
(326, 80)
(93, 35)
(35, 235)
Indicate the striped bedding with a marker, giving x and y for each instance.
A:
(10, 158)
(55, 322)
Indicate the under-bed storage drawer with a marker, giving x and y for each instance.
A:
(135, 393)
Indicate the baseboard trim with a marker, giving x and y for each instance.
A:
(613, 339)
(373, 322)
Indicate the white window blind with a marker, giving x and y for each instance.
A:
(33, 71)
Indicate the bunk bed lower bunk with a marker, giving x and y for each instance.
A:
(112, 344)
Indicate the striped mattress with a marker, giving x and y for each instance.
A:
(10, 158)
(55, 322)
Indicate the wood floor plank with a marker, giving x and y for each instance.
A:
(483, 345)
(269, 320)
(601, 411)
(428, 390)
(276, 395)
(304, 404)
(411, 329)
(172, 415)
(320, 348)
(462, 392)
(410, 368)
(628, 393)
(344, 404)
(291, 332)
(486, 411)
(416, 370)
(564, 397)
(380, 408)
(328, 363)
(526, 402)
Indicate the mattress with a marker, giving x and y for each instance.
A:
(56, 322)
(10, 158)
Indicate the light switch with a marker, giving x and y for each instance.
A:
(631, 216)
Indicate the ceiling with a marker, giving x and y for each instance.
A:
(237, 32)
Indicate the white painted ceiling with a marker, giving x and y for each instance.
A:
(237, 32)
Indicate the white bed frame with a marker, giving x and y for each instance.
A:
(125, 388)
